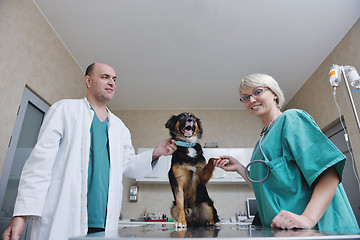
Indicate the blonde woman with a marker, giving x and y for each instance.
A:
(295, 170)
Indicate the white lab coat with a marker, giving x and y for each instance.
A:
(53, 184)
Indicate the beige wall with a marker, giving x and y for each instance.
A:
(316, 95)
(229, 128)
(31, 54)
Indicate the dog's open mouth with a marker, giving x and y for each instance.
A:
(188, 129)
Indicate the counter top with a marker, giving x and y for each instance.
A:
(223, 231)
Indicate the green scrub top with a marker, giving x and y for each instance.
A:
(98, 174)
(297, 152)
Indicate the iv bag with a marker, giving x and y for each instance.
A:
(334, 75)
(353, 77)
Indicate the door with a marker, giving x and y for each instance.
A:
(350, 182)
(24, 136)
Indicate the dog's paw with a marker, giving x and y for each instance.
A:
(210, 223)
(212, 160)
(181, 224)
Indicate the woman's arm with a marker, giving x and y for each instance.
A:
(321, 198)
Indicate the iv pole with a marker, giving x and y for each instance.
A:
(351, 98)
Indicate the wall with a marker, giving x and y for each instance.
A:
(33, 55)
(230, 128)
(316, 95)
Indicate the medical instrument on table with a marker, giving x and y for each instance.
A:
(262, 134)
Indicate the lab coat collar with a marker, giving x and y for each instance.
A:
(92, 111)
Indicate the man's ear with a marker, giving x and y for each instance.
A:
(87, 80)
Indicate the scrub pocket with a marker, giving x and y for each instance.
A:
(280, 174)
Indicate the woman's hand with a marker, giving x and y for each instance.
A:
(230, 164)
(289, 220)
(321, 197)
(227, 163)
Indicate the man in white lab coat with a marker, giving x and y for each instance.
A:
(72, 182)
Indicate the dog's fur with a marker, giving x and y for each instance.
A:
(189, 174)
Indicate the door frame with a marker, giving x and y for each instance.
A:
(27, 98)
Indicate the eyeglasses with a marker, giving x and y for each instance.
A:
(255, 93)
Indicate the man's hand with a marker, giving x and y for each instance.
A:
(166, 147)
(15, 228)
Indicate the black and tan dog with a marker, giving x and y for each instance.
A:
(189, 174)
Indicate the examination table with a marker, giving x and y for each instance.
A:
(221, 231)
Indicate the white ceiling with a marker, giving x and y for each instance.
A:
(191, 54)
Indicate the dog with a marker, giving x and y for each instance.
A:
(189, 173)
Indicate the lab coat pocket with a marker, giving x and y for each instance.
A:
(280, 174)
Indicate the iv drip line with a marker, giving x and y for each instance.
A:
(348, 72)
(347, 141)
(351, 98)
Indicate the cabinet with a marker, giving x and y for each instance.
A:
(161, 169)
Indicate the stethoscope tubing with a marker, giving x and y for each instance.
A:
(258, 161)
(262, 152)
(257, 181)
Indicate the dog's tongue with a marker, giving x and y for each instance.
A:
(188, 132)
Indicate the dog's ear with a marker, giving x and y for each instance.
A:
(171, 122)
(199, 127)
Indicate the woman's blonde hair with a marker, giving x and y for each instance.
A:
(263, 80)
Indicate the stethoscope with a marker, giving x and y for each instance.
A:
(262, 134)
